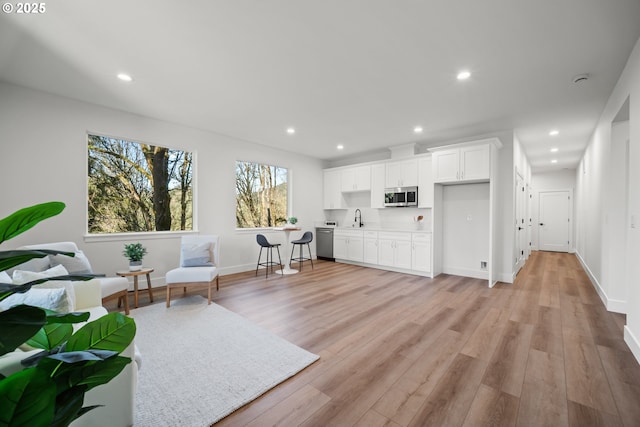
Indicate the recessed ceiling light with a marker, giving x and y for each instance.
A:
(554, 161)
(291, 131)
(554, 132)
(417, 129)
(464, 75)
(554, 150)
(125, 77)
(340, 147)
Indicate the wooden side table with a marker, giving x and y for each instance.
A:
(135, 274)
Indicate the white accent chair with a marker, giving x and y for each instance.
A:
(199, 257)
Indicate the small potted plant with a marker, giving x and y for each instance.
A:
(134, 252)
(291, 222)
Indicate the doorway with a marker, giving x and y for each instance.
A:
(554, 220)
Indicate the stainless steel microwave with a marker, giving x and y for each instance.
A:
(401, 196)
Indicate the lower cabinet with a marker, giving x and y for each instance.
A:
(371, 247)
(421, 252)
(348, 245)
(394, 249)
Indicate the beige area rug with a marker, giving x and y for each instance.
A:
(201, 362)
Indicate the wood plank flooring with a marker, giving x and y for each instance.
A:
(401, 350)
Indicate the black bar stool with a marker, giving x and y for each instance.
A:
(264, 243)
(306, 238)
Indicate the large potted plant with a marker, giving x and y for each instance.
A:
(50, 389)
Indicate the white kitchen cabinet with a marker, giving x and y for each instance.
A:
(370, 247)
(348, 245)
(377, 185)
(332, 193)
(394, 249)
(402, 173)
(421, 252)
(425, 182)
(357, 178)
(463, 164)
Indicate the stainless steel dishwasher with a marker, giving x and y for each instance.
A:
(324, 243)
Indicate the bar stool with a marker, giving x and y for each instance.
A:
(264, 243)
(306, 238)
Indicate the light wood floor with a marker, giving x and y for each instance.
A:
(402, 350)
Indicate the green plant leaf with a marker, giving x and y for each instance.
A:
(113, 331)
(75, 317)
(51, 336)
(27, 399)
(87, 374)
(6, 290)
(68, 406)
(95, 374)
(82, 356)
(18, 324)
(9, 259)
(23, 219)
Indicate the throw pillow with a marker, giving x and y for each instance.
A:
(5, 278)
(22, 276)
(78, 264)
(53, 299)
(70, 293)
(195, 254)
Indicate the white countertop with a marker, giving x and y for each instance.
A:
(413, 228)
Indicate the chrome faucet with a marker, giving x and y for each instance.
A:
(358, 218)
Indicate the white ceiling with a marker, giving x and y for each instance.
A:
(361, 73)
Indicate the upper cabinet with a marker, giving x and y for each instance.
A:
(332, 191)
(357, 178)
(469, 163)
(377, 185)
(425, 182)
(402, 173)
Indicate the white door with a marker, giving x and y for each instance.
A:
(553, 221)
(520, 226)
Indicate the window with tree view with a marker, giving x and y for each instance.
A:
(135, 187)
(261, 195)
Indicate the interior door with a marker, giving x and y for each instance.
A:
(520, 229)
(553, 226)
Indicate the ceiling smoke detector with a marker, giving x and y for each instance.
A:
(580, 78)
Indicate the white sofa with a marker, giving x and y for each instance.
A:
(110, 287)
(117, 396)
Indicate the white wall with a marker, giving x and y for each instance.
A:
(465, 209)
(564, 179)
(593, 179)
(44, 158)
(504, 214)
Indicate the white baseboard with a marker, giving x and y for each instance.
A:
(617, 306)
(613, 305)
(476, 274)
(594, 281)
(632, 342)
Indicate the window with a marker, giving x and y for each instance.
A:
(136, 187)
(261, 195)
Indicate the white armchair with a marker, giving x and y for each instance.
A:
(198, 265)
